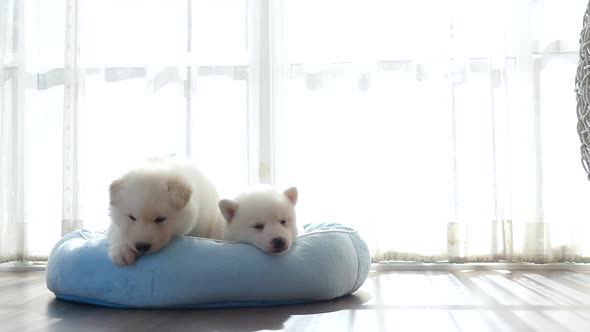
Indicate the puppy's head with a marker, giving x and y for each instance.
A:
(145, 205)
(262, 217)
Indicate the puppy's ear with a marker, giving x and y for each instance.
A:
(180, 193)
(291, 194)
(114, 190)
(228, 209)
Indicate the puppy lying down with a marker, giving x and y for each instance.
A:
(161, 199)
(263, 217)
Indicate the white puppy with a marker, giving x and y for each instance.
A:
(157, 201)
(262, 217)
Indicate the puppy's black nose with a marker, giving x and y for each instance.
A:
(143, 247)
(278, 243)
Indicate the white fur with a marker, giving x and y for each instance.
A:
(174, 190)
(263, 206)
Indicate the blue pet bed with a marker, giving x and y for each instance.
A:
(327, 261)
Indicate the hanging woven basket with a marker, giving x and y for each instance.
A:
(583, 92)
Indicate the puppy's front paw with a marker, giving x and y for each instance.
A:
(122, 255)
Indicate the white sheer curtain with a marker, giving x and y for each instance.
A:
(442, 130)
(90, 88)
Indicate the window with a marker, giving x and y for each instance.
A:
(441, 130)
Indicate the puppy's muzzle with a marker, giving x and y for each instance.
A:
(278, 245)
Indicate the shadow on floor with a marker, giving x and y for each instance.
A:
(69, 316)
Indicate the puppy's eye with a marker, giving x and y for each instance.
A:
(132, 217)
(283, 222)
(258, 227)
(159, 220)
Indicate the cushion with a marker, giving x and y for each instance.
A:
(325, 262)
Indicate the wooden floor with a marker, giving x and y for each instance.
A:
(388, 301)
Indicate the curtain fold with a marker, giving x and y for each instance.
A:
(439, 129)
(12, 85)
(73, 87)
